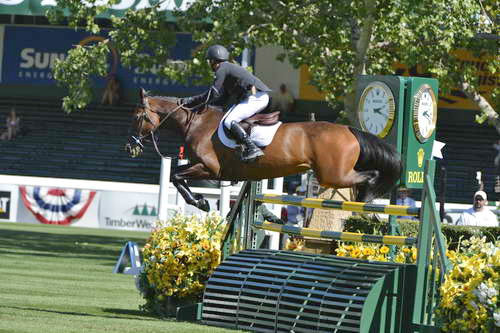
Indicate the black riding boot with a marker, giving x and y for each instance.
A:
(250, 152)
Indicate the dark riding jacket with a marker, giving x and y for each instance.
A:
(231, 80)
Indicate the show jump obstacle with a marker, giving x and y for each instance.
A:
(285, 291)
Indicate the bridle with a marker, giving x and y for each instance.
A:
(144, 116)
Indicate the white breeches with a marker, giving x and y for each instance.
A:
(247, 108)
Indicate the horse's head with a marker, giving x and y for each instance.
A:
(146, 121)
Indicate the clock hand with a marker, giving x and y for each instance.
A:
(377, 110)
(426, 115)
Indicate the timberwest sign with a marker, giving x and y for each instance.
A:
(39, 7)
(128, 211)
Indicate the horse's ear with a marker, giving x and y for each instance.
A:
(143, 93)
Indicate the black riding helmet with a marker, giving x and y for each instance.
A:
(217, 53)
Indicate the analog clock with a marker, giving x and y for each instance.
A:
(424, 113)
(376, 109)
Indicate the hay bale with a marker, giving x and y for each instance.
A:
(327, 219)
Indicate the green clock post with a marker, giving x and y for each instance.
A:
(402, 111)
(419, 129)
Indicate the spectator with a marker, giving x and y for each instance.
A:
(294, 214)
(497, 158)
(111, 94)
(267, 214)
(478, 215)
(12, 126)
(283, 101)
(404, 199)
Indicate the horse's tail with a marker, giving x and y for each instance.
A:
(378, 155)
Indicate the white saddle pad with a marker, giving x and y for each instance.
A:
(261, 135)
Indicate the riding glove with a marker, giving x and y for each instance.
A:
(186, 100)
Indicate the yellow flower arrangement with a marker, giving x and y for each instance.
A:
(178, 260)
(469, 296)
(376, 252)
(294, 244)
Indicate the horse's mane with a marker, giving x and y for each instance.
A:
(166, 98)
(174, 100)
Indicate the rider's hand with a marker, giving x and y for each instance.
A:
(186, 101)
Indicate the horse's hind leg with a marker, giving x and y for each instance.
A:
(363, 188)
(363, 180)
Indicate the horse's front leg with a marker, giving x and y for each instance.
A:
(184, 172)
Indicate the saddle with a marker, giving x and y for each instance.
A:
(260, 119)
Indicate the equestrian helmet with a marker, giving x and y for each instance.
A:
(218, 53)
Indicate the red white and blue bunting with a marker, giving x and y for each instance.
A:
(55, 205)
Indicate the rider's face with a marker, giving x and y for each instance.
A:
(213, 64)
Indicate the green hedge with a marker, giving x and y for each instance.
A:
(410, 228)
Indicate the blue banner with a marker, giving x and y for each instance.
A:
(29, 54)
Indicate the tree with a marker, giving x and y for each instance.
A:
(336, 39)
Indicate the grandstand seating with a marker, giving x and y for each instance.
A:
(469, 148)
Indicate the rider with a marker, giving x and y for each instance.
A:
(232, 80)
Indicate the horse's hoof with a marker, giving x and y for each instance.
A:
(203, 205)
(374, 178)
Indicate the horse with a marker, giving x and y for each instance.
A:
(341, 156)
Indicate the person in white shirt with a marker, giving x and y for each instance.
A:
(478, 215)
(405, 200)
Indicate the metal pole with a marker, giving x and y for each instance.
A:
(166, 162)
(442, 191)
(245, 56)
(179, 200)
(225, 198)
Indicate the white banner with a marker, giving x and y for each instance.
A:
(130, 211)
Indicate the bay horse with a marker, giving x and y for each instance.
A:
(340, 156)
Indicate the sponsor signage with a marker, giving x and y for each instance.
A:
(129, 211)
(5, 204)
(8, 202)
(39, 7)
(29, 55)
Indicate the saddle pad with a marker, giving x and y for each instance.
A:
(261, 135)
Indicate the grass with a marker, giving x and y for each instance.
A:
(59, 279)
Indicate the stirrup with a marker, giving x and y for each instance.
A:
(250, 154)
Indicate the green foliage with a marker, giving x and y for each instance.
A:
(453, 234)
(76, 70)
(367, 225)
(142, 39)
(339, 39)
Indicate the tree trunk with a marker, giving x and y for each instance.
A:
(362, 45)
(487, 111)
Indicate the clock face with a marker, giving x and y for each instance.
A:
(424, 113)
(376, 109)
